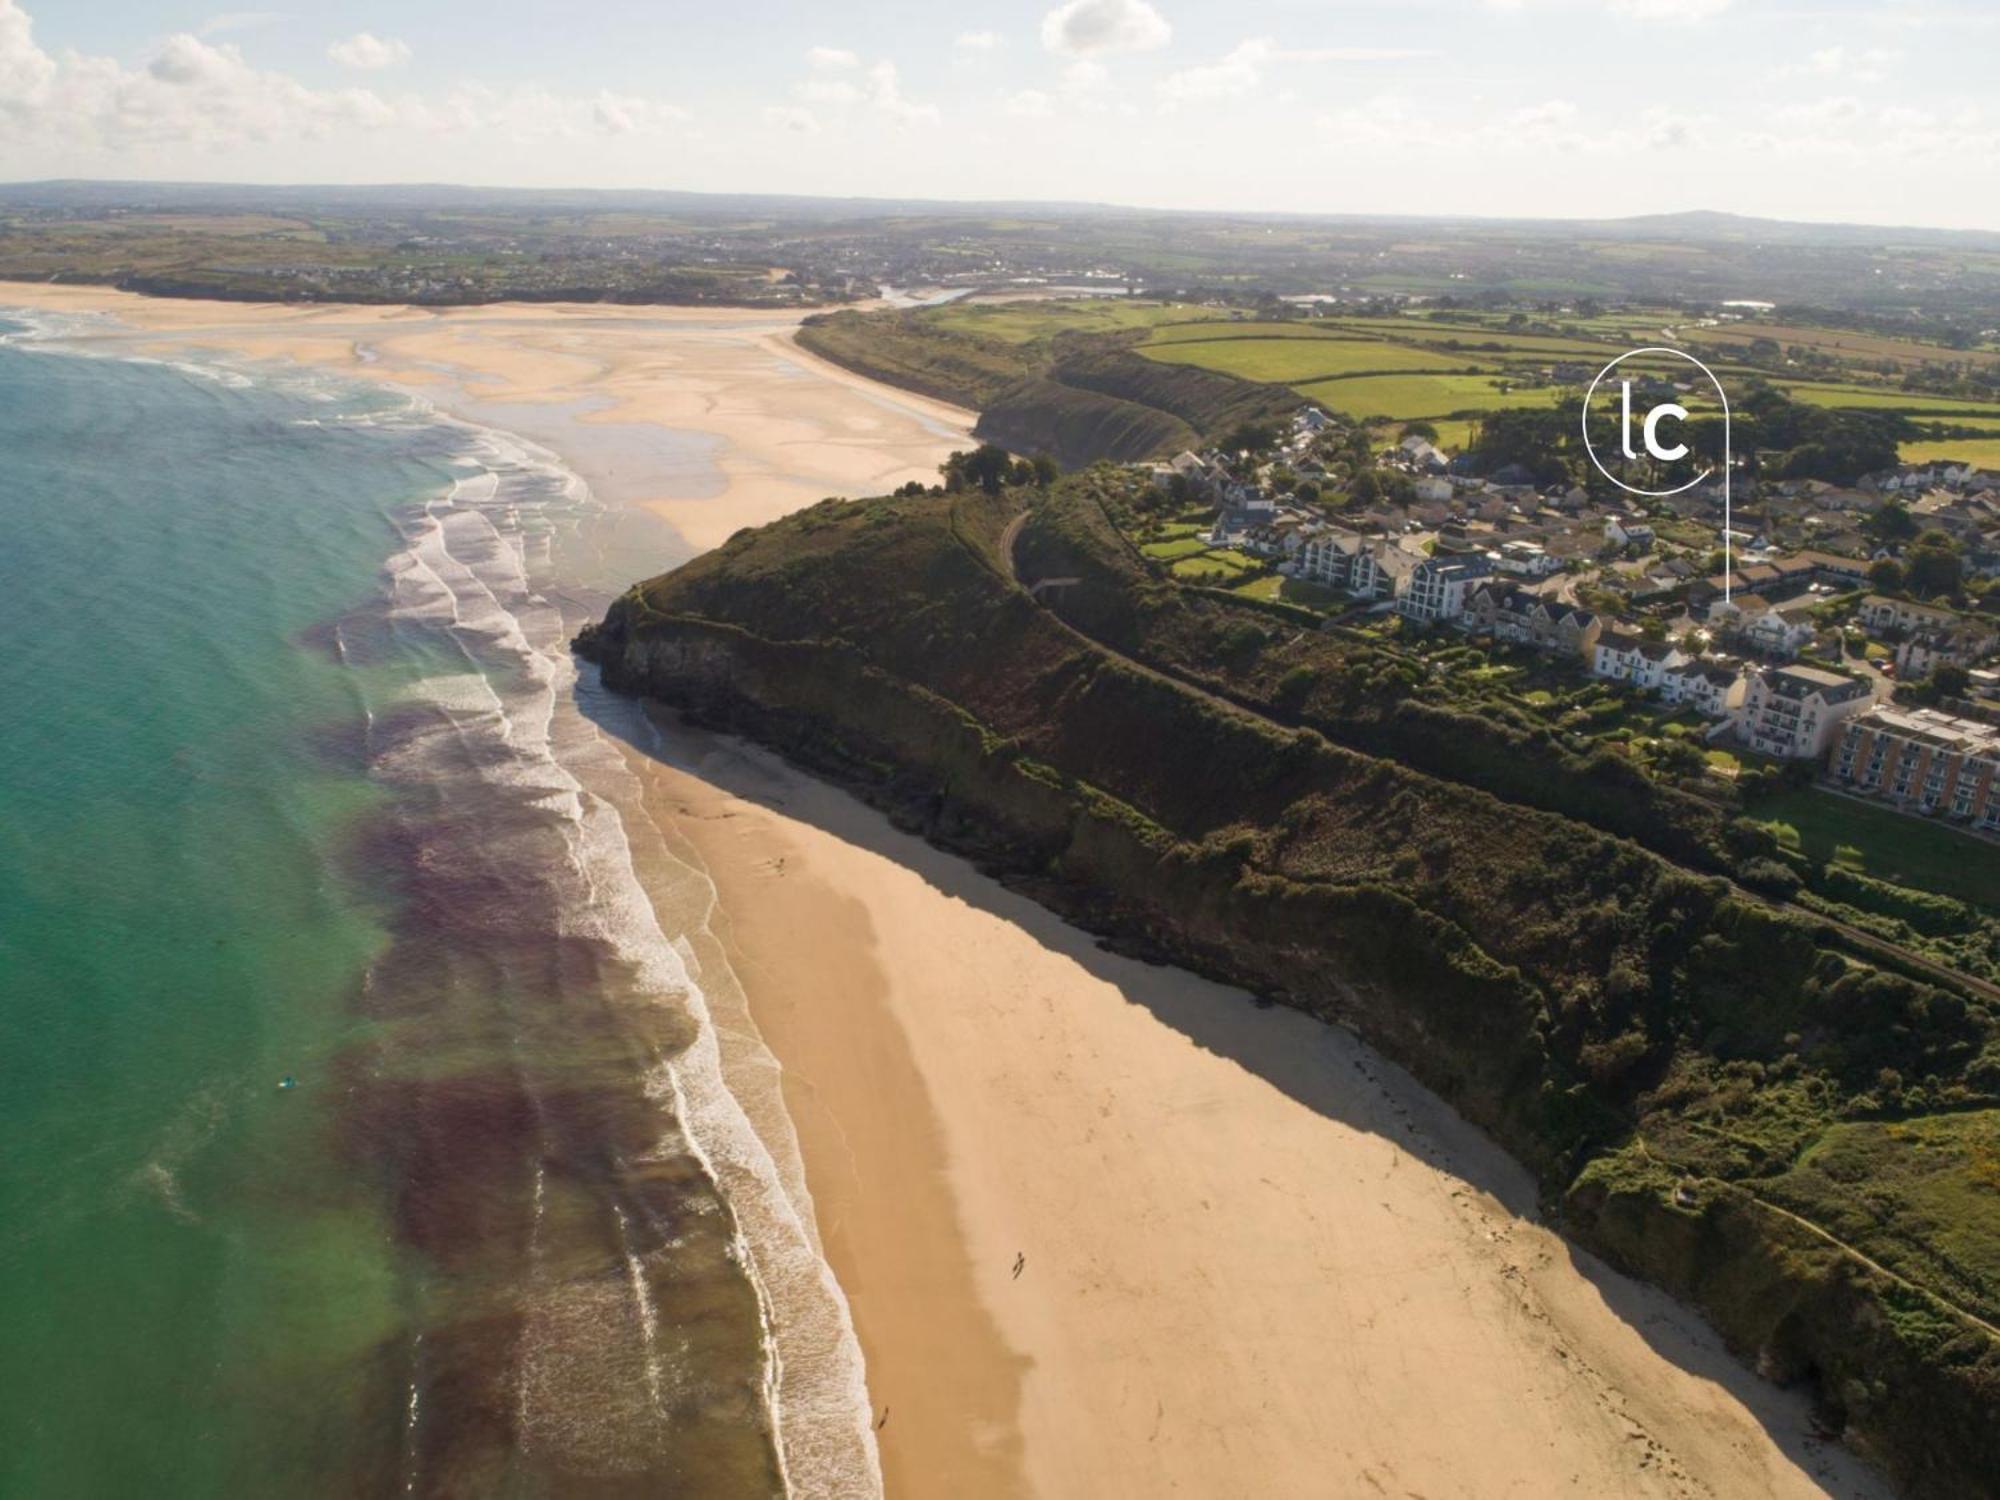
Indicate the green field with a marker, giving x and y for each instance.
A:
(1026, 321)
(1175, 549)
(1406, 397)
(1982, 451)
(1213, 562)
(1296, 361)
(1884, 399)
(1212, 327)
(1903, 850)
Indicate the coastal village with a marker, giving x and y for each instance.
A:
(1843, 642)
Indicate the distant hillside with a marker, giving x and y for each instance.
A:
(1693, 1073)
(1076, 397)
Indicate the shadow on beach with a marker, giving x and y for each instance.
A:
(1322, 1066)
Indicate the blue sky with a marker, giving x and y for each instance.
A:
(1814, 109)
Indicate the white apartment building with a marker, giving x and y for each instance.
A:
(1796, 712)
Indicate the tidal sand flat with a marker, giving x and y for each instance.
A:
(1101, 1228)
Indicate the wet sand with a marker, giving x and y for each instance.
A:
(1105, 1229)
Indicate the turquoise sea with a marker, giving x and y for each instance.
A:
(292, 784)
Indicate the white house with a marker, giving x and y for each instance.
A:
(1879, 612)
(1771, 634)
(1382, 571)
(1796, 711)
(1439, 585)
(1624, 657)
(1712, 688)
(1620, 532)
(1528, 559)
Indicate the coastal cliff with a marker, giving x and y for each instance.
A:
(1673, 1061)
(1077, 398)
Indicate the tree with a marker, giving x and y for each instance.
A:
(1931, 566)
(1948, 680)
(1886, 574)
(987, 466)
(1250, 437)
(1421, 429)
(1891, 523)
(1047, 470)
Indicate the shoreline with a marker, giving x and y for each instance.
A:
(1258, 1258)
(617, 391)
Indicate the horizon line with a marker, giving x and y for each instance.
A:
(971, 203)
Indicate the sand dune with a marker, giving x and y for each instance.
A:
(1107, 1230)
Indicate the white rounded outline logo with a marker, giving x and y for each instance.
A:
(1591, 450)
(1728, 454)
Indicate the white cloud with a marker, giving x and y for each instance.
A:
(1085, 77)
(209, 97)
(792, 117)
(977, 41)
(876, 89)
(629, 114)
(1084, 28)
(1030, 104)
(1546, 116)
(1241, 70)
(1537, 129)
(1685, 11)
(367, 51)
(830, 91)
(1870, 65)
(238, 20)
(885, 97)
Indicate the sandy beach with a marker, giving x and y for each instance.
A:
(600, 384)
(1105, 1229)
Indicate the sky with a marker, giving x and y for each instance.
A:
(1833, 110)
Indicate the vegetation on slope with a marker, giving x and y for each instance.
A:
(1076, 394)
(1684, 1066)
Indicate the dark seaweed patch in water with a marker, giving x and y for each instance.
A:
(362, 638)
(580, 1324)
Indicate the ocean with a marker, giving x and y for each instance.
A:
(367, 1128)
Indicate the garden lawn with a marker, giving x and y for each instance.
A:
(1917, 852)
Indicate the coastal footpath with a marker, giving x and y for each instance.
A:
(1664, 1054)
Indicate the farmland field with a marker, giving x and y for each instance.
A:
(1883, 398)
(1406, 397)
(1982, 451)
(1294, 361)
(1025, 321)
(1844, 344)
(1213, 327)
